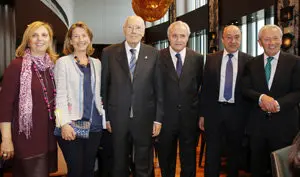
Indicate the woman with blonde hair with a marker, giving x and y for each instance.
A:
(78, 80)
(27, 105)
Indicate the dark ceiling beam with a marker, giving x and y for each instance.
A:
(28, 11)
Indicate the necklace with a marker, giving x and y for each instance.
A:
(44, 89)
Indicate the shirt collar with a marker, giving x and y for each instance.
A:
(235, 54)
(173, 52)
(137, 48)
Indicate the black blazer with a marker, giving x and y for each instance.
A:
(211, 86)
(144, 94)
(181, 95)
(285, 89)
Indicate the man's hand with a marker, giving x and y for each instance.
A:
(268, 104)
(108, 127)
(156, 129)
(201, 123)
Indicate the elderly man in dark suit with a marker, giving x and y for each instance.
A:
(223, 109)
(133, 98)
(182, 70)
(272, 84)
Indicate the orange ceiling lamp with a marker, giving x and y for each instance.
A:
(151, 10)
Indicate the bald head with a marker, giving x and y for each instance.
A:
(134, 30)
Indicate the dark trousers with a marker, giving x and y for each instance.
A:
(105, 155)
(80, 154)
(233, 132)
(261, 148)
(126, 140)
(167, 151)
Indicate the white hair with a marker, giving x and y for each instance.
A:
(179, 23)
(269, 27)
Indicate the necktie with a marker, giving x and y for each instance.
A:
(268, 68)
(228, 78)
(132, 61)
(178, 64)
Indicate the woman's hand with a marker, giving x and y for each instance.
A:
(67, 132)
(7, 148)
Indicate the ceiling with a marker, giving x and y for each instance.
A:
(28, 11)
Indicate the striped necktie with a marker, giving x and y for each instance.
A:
(132, 61)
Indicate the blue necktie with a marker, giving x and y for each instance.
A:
(228, 78)
(132, 61)
(178, 64)
(268, 69)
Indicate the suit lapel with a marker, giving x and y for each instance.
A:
(279, 70)
(141, 61)
(169, 64)
(241, 63)
(261, 72)
(218, 66)
(122, 59)
(186, 65)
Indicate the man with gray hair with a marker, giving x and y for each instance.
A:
(271, 82)
(133, 99)
(182, 71)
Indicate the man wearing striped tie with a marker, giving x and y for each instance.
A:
(272, 83)
(133, 99)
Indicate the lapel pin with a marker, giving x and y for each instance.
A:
(146, 57)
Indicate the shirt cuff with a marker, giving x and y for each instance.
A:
(157, 122)
(278, 106)
(259, 100)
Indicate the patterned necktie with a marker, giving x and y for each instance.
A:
(228, 78)
(178, 64)
(268, 68)
(132, 61)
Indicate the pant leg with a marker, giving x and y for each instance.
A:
(167, 152)
(73, 154)
(91, 147)
(213, 136)
(120, 140)
(259, 156)
(234, 146)
(187, 148)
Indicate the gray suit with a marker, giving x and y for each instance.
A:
(144, 94)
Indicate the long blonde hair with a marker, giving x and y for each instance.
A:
(31, 28)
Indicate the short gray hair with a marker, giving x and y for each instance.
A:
(269, 27)
(179, 23)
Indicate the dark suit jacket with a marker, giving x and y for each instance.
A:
(181, 94)
(210, 90)
(144, 93)
(285, 89)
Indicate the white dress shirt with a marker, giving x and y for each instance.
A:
(129, 54)
(234, 60)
